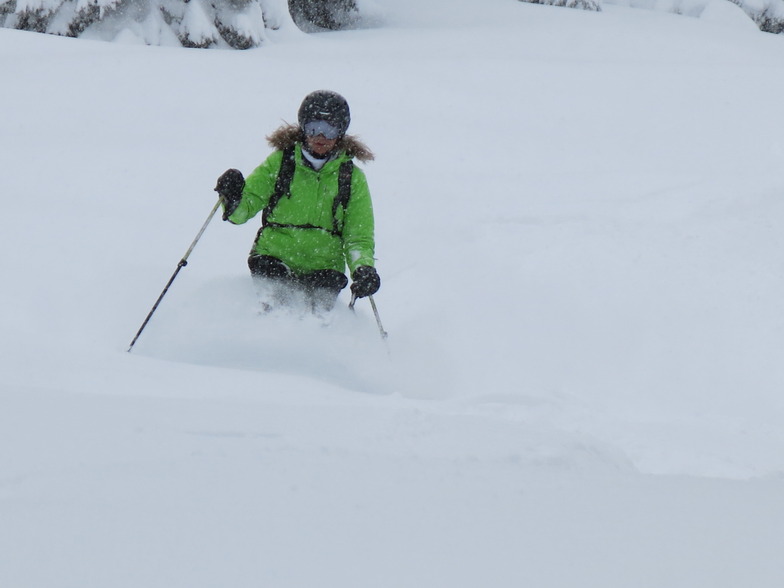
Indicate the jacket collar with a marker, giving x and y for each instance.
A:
(333, 163)
(289, 135)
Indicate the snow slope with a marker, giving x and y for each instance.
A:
(578, 222)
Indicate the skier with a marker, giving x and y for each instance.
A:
(317, 215)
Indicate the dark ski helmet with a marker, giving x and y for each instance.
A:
(325, 105)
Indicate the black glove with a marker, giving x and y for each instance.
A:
(366, 281)
(229, 187)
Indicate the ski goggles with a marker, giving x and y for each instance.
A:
(321, 127)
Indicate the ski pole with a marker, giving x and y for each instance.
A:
(183, 262)
(381, 330)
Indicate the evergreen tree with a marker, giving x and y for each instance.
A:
(580, 4)
(767, 14)
(238, 24)
(241, 24)
(323, 14)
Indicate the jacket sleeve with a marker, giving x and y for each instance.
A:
(358, 225)
(259, 186)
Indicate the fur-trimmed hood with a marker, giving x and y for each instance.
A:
(288, 135)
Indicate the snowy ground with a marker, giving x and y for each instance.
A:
(579, 235)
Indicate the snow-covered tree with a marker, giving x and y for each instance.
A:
(238, 24)
(581, 4)
(767, 14)
(325, 14)
(242, 24)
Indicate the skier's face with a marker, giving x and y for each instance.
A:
(320, 145)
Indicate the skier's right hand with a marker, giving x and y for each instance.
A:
(229, 187)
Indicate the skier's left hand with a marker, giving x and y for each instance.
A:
(366, 281)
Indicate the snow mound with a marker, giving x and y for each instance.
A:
(727, 14)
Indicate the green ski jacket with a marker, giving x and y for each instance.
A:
(300, 229)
